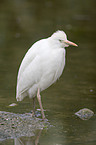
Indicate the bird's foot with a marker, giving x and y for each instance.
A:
(45, 119)
(33, 114)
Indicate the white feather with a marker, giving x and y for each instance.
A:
(42, 65)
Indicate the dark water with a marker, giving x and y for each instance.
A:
(24, 22)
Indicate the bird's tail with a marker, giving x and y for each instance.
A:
(21, 96)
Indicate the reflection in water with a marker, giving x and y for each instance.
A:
(28, 141)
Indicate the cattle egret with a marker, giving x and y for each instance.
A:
(41, 66)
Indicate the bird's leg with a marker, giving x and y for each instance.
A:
(39, 100)
(33, 112)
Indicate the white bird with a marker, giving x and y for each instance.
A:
(41, 66)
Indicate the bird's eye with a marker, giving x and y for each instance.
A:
(60, 40)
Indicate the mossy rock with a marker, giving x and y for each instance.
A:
(85, 114)
(16, 125)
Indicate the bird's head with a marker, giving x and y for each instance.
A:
(61, 38)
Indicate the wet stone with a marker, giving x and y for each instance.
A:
(85, 114)
(16, 125)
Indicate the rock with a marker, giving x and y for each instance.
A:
(16, 125)
(13, 104)
(85, 114)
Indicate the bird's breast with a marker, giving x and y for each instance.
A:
(60, 63)
(52, 67)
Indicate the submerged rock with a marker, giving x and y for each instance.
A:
(16, 125)
(85, 114)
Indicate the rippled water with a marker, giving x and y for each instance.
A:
(24, 22)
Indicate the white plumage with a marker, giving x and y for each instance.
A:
(42, 66)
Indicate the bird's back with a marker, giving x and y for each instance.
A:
(29, 57)
(23, 69)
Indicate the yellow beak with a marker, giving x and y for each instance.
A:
(70, 43)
